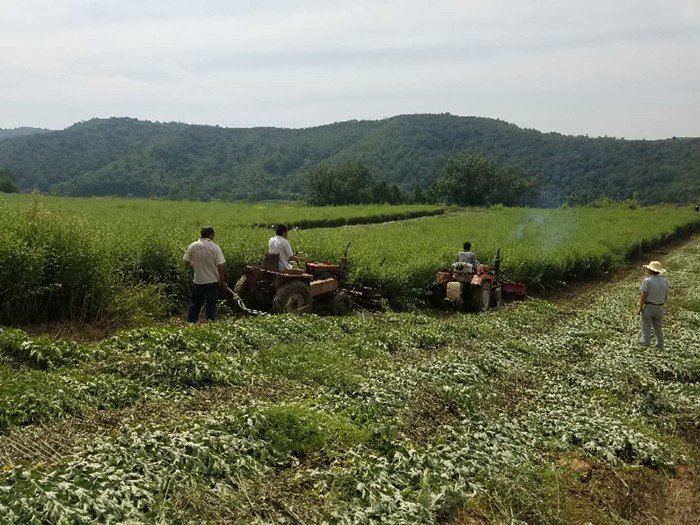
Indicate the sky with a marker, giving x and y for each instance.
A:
(623, 68)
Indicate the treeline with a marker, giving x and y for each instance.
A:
(20, 132)
(467, 179)
(127, 157)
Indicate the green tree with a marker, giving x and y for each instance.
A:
(465, 180)
(129, 157)
(396, 196)
(513, 186)
(7, 181)
(348, 183)
(418, 196)
(470, 179)
(381, 192)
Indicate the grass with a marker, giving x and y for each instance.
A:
(32, 396)
(190, 216)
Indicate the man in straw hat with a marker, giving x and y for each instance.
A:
(651, 304)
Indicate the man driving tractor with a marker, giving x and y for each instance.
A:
(467, 256)
(279, 245)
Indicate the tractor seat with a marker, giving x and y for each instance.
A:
(272, 262)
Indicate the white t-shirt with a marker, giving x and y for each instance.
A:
(280, 245)
(205, 256)
(656, 288)
(467, 257)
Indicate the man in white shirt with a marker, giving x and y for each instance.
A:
(467, 256)
(207, 261)
(654, 290)
(279, 245)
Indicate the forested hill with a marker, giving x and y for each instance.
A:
(121, 156)
(20, 132)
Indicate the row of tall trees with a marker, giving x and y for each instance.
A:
(348, 183)
(467, 179)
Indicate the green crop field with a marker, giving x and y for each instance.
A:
(81, 261)
(539, 247)
(155, 214)
(386, 418)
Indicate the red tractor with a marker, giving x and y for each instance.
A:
(319, 288)
(473, 288)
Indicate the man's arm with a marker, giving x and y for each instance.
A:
(642, 300)
(222, 276)
(186, 259)
(220, 265)
(290, 253)
(643, 297)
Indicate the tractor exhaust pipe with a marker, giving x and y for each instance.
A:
(497, 265)
(344, 261)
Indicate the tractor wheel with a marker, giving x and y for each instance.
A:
(321, 307)
(437, 295)
(341, 304)
(481, 298)
(497, 300)
(292, 298)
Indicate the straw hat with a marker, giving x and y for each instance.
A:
(655, 266)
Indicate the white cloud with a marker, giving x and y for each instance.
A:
(616, 67)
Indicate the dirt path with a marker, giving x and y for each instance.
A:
(577, 292)
(681, 495)
(683, 498)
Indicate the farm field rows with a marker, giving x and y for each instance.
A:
(91, 267)
(391, 418)
(539, 246)
(190, 216)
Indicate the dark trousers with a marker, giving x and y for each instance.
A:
(202, 293)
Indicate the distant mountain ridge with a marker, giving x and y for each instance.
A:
(123, 156)
(21, 132)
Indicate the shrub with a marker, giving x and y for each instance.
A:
(301, 431)
(57, 270)
(139, 304)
